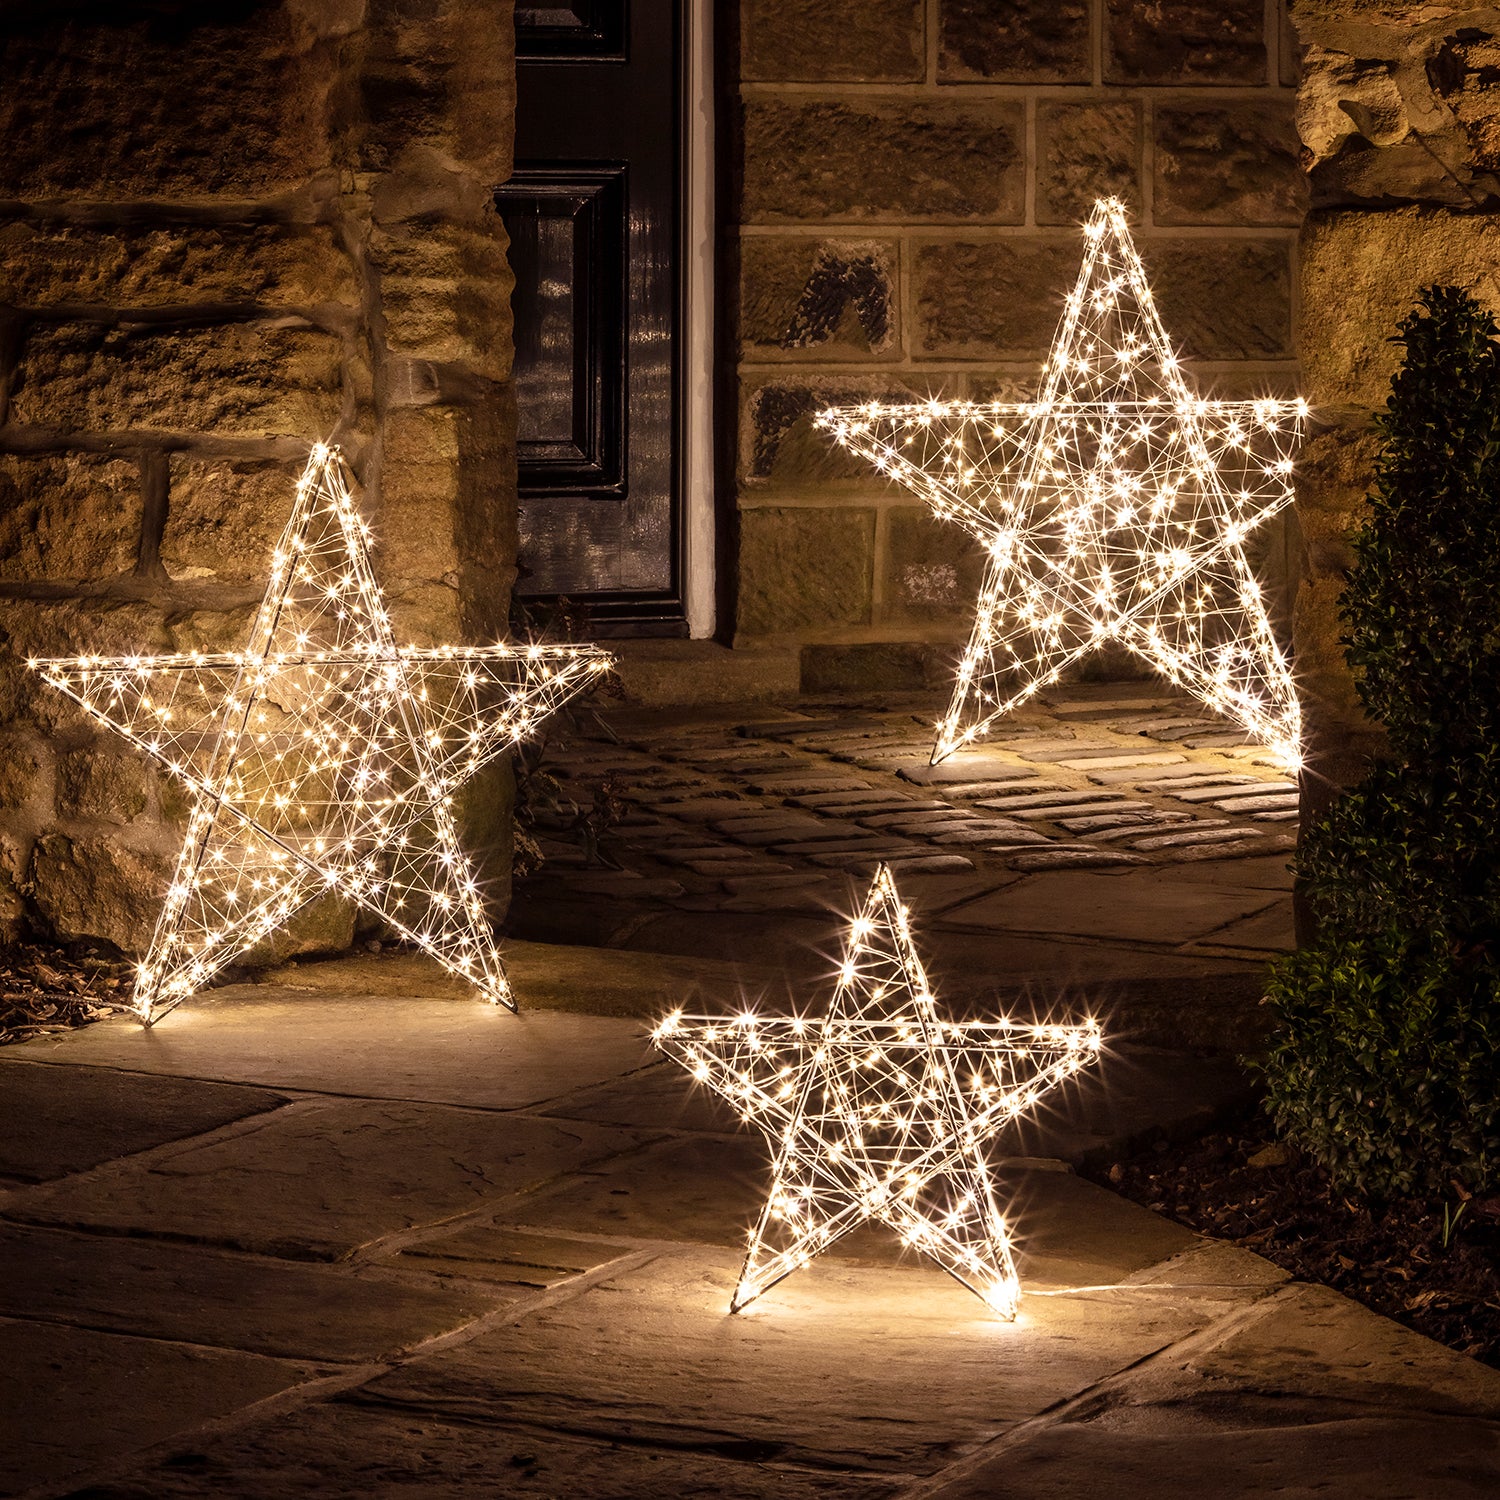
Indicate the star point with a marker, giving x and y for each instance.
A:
(880, 1109)
(1112, 508)
(322, 757)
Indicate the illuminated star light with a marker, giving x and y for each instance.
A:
(879, 1109)
(1114, 507)
(322, 757)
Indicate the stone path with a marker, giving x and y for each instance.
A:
(1109, 835)
(369, 1237)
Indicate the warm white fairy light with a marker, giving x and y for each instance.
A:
(879, 1109)
(1114, 507)
(322, 757)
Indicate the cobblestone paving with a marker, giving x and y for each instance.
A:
(746, 810)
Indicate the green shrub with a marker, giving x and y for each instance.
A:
(1385, 1061)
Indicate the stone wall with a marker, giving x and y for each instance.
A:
(913, 174)
(227, 231)
(1399, 116)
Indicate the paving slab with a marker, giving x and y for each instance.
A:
(513, 1257)
(47, 1131)
(1310, 1395)
(838, 1366)
(107, 1395)
(169, 1291)
(387, 1046)
(1109, 906)
(318, 1182)
(351, 1447)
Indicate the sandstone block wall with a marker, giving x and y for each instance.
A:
(225, 232)
(912, 175)
(1399, 119)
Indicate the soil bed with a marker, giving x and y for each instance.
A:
(1249, 1189)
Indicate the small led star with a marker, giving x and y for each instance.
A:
(1114, 507)
(879, 1110)
(322, 757)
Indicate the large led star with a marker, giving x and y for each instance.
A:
(879, 1110)
(322, 757)
(1114, 507)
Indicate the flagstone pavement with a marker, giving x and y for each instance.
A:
(347, 1231)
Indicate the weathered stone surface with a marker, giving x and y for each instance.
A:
(1084, 152)
(876, 666)
(1000, 41)
(1230, 164)
(331, 1451)
(870, 161)
(445, 293)
(1185, 41)
(298, 265)
(933, 569)
(802, 568)
(103, 782)
(324, 926)
(865, 41)
(980, 299)
(412, 1036)
(57, 1120)
(780, 447)
(825, 1365)
(364, 1171)
(1108, 906)
(72, 517)
(23, 773)
(239, 378)
(490, 1252)
(135, 110)
(1360, 274)
(90, 887)
(166, 1291)
(1226, 300)
(224, 517)
(1335, 469)
(826, 299)
(109, 1396)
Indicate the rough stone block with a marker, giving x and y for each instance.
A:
(1224, 300)
(976, 300)
(1337, 726)
(1013, 41)
(103, 783)
(932, 569)
(445, 292)
(77, 516)
(874, 160)
(1334, 472)
(224, 517)
(129, 108)
(297, 265)
(244, 378)
(780, 447)
(100, 888)
(875, 667)
(866, 41)
(827, 299)
(1185, 41)
(1360, 275)
(1084, 152)
(23, 774)
(1229, 164)
(803, 569)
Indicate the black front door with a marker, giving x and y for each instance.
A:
(594, 217)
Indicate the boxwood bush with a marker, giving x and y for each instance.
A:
(1385, 1059)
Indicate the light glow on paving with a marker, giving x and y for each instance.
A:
(322, 757)
(1113, 508)
(879, 1109)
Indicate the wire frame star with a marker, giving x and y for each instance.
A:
(880, 1109)
(1113, 508)
(322, 757)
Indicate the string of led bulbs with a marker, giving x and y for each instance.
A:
(322, 758)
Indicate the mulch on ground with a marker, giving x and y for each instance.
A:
(45, 989)
(1434, 1266)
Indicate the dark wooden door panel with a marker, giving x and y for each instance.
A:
(594, 215)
